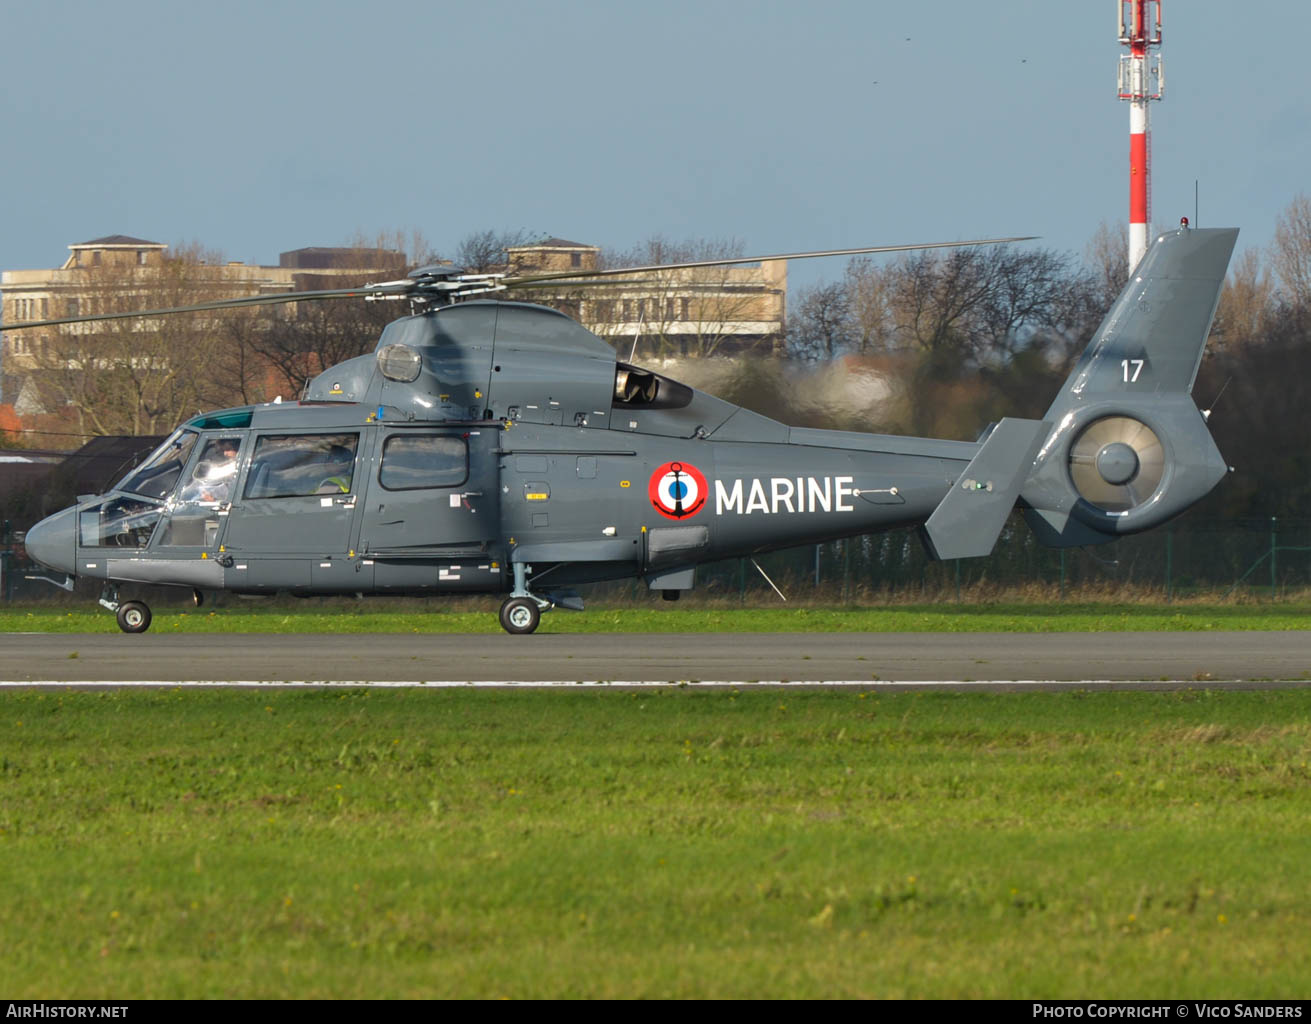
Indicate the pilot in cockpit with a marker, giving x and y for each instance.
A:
(214, 474)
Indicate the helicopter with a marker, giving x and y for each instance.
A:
(491, 446)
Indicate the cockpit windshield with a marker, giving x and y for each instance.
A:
(159, 475)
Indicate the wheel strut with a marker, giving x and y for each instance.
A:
(521, 612)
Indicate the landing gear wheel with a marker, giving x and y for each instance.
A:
(133, 617)
(520, 615)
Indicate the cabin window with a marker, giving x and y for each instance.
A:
(414, 461)
(296, 465)
(228, 419)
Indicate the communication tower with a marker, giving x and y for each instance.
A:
(1142, 78)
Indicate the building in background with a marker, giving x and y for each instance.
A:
(53, 378)
(699, 311)
(56, 381)
(123, 265)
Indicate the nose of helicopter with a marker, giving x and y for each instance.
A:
(52, 541)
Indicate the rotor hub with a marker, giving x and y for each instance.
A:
(1117, 463)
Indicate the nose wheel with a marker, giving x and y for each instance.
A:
(520, 615)
(133, 617)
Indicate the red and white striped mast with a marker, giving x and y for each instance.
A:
(1142, 78)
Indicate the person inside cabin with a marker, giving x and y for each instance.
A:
(215, 473)
(338, 469)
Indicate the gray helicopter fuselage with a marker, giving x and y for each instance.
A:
(448, 506)
(479, 436)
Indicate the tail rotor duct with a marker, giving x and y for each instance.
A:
(1117, 463)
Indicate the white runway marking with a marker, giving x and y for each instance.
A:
(448, 684)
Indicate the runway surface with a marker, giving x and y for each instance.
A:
(1248, 659)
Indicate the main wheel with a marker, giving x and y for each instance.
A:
(133, 617)
(520, 615)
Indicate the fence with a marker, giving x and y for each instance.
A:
(1269, 557)
(1265, 557)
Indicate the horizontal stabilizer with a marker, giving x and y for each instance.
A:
(969, 519)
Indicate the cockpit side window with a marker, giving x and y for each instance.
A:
(295, 465)
(158, 477)
(215, 471)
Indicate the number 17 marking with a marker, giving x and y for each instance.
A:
(1136, 364)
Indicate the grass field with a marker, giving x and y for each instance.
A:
(339, 616)
(667, 843)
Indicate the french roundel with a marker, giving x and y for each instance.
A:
(678, 490)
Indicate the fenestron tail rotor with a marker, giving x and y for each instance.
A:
(1117, 463)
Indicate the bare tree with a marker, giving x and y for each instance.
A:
(315, 335)
(821, 324)
(1010, 319)
(487, 251)
(285, 346)
(134, 376)
(1247, 302)
(938, 302)
(1291, 253)
(870, 297)
(1260, 422)
(1107, 257)
(411, 247)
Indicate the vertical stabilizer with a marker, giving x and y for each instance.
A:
(1128, 448)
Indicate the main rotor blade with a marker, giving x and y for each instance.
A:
(654, 282)
(510, 282)
(475, 284)
(392, 287)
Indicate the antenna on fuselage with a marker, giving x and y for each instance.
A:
(768, 580)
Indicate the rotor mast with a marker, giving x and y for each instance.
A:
(1141, 78)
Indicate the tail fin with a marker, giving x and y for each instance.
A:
(1127, 448)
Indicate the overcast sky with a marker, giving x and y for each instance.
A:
(255, 128)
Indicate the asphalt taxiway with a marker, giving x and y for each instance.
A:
(1247, 659)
